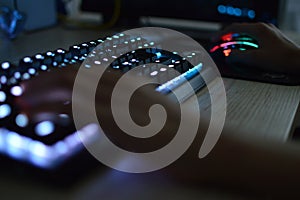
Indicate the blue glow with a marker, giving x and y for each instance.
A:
(55, 64)
(44, 67)
(158, 55)
(17, 75)
(170, 85)
(251, 14)
(230, 10)
(2, 96)
(31, 71)
(22, 120)
(3, 79)
(45, 156)
(16, 91)
(2, 139)
(222, 9)
(5, 110)
(39, 56)
(38, 149)
(16, 145)
(40, 154)
(61, 147)
(237, 12)
(44, 128)
(26, 76)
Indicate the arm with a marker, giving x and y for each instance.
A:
(236, 162)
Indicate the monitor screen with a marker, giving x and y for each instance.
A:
(205, 10)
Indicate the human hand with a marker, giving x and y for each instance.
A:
(50, 94)
(276, 53)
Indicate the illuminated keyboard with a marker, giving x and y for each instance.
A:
(49, 145)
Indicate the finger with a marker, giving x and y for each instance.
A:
(251, 29)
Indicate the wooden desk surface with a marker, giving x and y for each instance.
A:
(265, 110)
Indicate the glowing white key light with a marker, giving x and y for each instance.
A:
(44, 67)
(16, 91)
(16, 145)
(2, 96)
(5, 110)
(22, 120)
(27, 59)
(3, 79)
(31, 71)
(41, 155)
(44, 128)
(39, 56)
(17, 75)
(26, 76)
(5, 65)
(154, 73)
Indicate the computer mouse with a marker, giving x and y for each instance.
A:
(222, 49)
(231, 41)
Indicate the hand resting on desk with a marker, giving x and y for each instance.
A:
(250, 165)
(276, 53)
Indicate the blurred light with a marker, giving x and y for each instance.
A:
(17, 75)
(222, 9)
(237, 12)
(5, 110)
(44, 128)
(3, 133)
(2, 96)
(3, 79)
(227, 52)
(27, 59)
(40, 155)
(230, 10)
(239, 42)
(61, 147)
(158, 55)
(16, 145)
(60, 51)
(39, 56)
(154, 73)
(5, 65)
(16, 91)
(214, 48)
(22, 120)
(87, 66)
(251, 14)
(44, 67)
(26, 76)
(31, 71)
